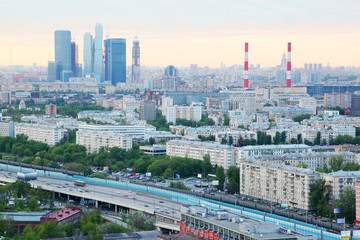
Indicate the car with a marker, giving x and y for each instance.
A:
(161, 201)
(146, 206)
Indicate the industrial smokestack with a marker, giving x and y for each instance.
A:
(246, 66)
(288, 73)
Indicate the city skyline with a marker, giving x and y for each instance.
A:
(180, 33)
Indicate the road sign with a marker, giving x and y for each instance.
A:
(345, 234)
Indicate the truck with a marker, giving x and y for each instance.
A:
(26, 176)
(79, 183)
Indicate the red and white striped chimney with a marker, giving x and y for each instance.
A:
(246, 66)
(288, 73)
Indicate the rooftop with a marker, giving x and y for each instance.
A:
(281, 167)
(25, 216)
(273, 147)
(197, 143)
(64, 213)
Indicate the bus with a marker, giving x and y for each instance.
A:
(80, 183)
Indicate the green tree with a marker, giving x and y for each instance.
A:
(283, 137)
(351, 166)
(231, 140)
(206, 165)
(223, 141)
(233, 175)
(317, 140)
(151, 141)
(277, 138)
(336, 163)
(319, 198)
(33, 204)
(346, 202)
(226, 120)
(220, 174)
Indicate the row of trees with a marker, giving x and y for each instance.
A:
(205, 121)
(336, 163)
(320, 201)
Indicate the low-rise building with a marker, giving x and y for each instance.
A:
(95, 140)
(48, 134)
(221, 155)
(156, 149)
(215, 225)
(69, 214)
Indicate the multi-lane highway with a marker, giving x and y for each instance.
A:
(163, 204)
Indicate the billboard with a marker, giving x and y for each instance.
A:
(337, 210)
(199, 175)
(215, 182)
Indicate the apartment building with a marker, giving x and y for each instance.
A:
(184, 112)
(250, 152)
(7, 129)
(338, 181)
(94, 140)
(277, 183)
(136, 131)
(221, 155)
(334, 99)
(312, 160)
(48, 134)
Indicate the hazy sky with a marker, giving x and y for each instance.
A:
(181, 32)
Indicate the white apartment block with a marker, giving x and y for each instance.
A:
(7, 129)
(344, 130)
(136, 131)
(184, 112)
(308, 102)
(222, 155)
(251, 152)
(94, 140)
(48, 134)
(277, 183)
(313, 160)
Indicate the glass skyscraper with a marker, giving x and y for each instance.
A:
(98, 53)
(115, 60)
(62, 52)
(88, 55)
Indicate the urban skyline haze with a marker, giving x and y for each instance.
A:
(184, 32)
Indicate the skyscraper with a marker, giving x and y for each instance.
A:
(115, 60)
(74, 58)
(88, 55)
(51, 76)
(98, 53)
(62, 52)
(135, 70)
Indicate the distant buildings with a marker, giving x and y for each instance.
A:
(98, 53)
(51, 110)
(115, 60)
(192, 112)
(135, 67)
(147, 110)
(62, 53)
(88, 55)
(334, 99)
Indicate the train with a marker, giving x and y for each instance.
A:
(26, 176)
(80, 183)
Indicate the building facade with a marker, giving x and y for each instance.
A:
(62, 52)
(147, 110)
(98, 53)
(42, 133)
(95, 140)
(221, 155)
(277, 183)
(183, 112)
(135, 68)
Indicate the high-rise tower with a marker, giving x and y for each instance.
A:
(115, 60)
(98, 53)
(88, 55)
(62, 52)
(288, 74)
(246, 66)
(135, 70)
(74, 58)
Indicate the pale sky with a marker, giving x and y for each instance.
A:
(182, 32)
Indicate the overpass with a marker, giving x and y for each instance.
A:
(177, 198)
